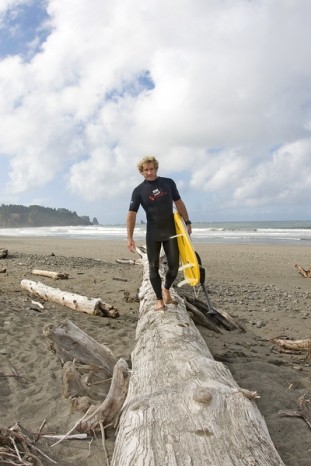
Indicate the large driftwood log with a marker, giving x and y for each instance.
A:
(182, 406)
(94, 306)
(50, 274)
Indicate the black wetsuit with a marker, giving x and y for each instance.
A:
(156, 197)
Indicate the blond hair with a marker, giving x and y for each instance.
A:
(148, 159)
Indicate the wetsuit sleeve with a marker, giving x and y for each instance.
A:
(135, 201)
(175, 193)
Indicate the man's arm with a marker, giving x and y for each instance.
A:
(130, 225)
(180, 206)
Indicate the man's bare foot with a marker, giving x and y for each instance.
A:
(160, 306)
(167, 298)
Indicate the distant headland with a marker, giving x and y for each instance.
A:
(17, 216)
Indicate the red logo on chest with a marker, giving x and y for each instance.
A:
(157, 194)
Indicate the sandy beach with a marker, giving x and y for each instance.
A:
(258, 285)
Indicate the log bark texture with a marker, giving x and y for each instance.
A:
(183, 407)
(94, 306)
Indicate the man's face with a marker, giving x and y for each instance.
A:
(149, 172)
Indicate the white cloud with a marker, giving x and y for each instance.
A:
(285, 178)
(231, 81)
(9, 5)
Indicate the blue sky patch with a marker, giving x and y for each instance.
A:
(23, 29)
(133, 88)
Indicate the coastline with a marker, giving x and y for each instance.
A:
(263, 263)
(256, 284)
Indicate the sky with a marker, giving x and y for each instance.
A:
(218, 90)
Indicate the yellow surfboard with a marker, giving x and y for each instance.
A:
(189, 261)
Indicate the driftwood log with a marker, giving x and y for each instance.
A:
(70, 343)
(199, 318)
(18, 447)
(81, 354)
(302, 411)
(303, 272)
(293, 346)
(108, 412)
(3, 253)
(94, 306)
(128, 261)
(219, 318)
(51, 274)
(182, 406)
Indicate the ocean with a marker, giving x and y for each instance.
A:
(269, 232)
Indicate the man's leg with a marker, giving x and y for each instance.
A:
(153, 254)
(172, 255)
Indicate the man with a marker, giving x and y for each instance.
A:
(156, 195)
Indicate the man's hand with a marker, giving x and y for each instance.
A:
(130, 226)
(131, 245)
